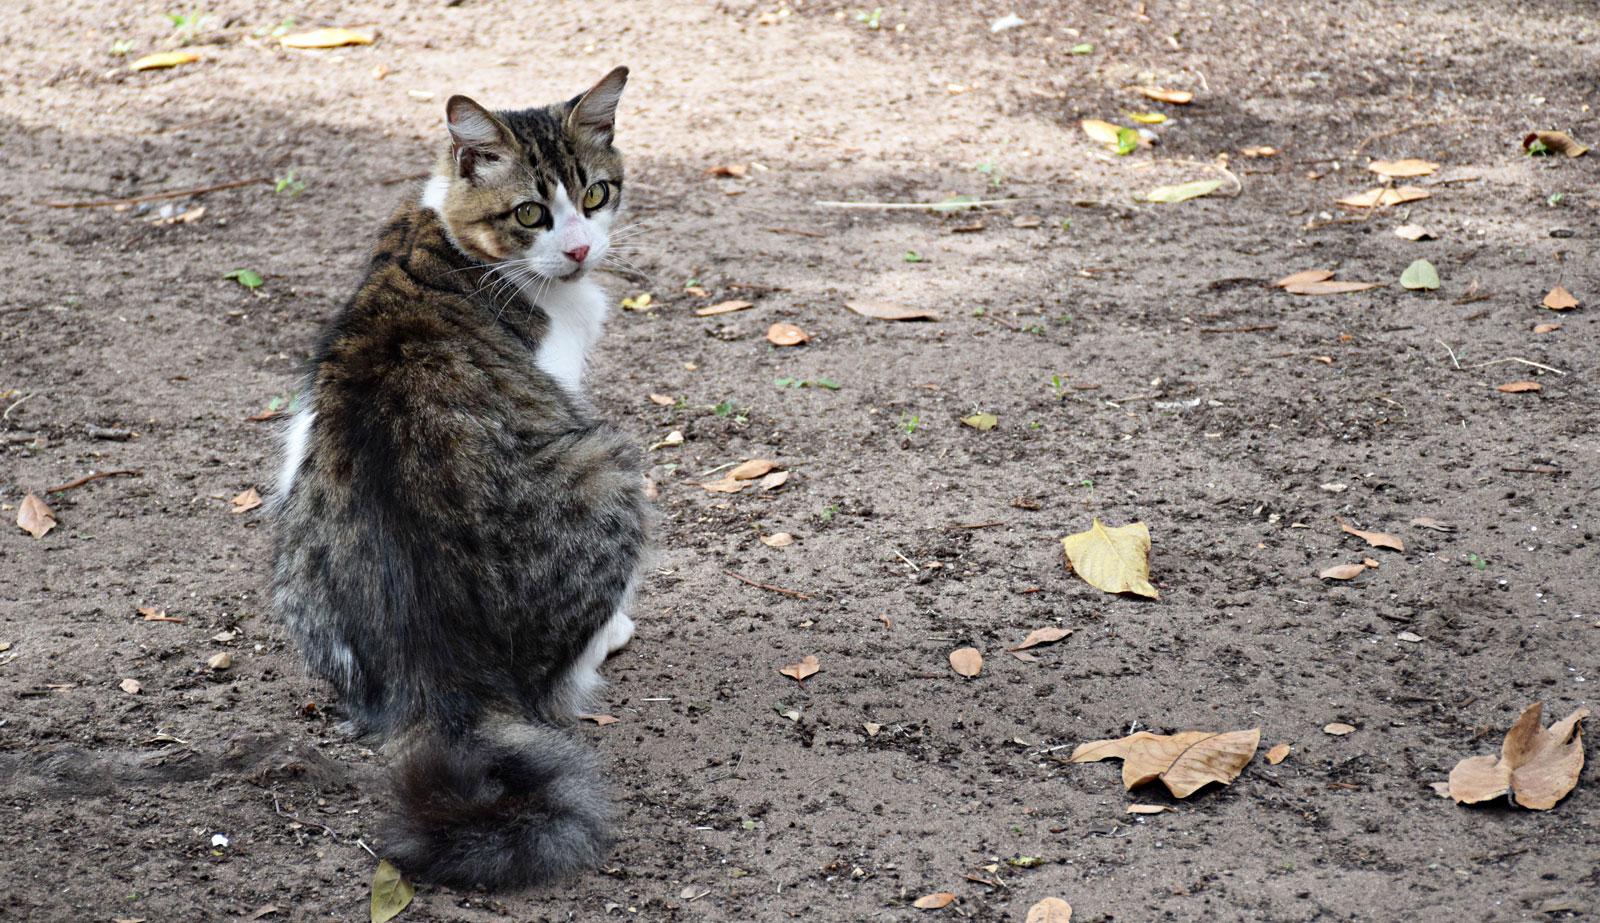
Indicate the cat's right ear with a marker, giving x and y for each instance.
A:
(477, 137)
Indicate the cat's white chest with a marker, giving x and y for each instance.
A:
(576, 311)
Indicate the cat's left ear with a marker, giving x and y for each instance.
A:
(595, 112)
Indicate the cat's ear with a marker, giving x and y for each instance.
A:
(595, 111)
(477, 136)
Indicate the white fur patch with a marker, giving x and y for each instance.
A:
(294, 449)
(583, 678)
(576, 310)
(434, 192)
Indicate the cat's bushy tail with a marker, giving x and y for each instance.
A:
(511, 805)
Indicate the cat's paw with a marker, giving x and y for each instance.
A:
(619, 631)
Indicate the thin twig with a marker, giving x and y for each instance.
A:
(1535, 470)
(1391, 133)
(792, 231)
(91, 477)
(309, 823)
(981, 525)
(1451, 352)
(1521, 360)
(919, 206)
(1238, 329)
(765, 586)
(7, 414)
(174, 194)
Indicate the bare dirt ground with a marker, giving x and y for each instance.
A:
(1223, 442)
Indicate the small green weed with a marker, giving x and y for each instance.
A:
(909, 423)
(288, 183)
(872, 19)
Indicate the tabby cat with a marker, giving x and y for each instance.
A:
(457, 534)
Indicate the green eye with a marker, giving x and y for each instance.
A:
(597, 195)
(531, 214)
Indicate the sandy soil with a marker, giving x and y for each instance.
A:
(910, 540)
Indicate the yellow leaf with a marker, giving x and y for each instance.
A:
(982, 422)
(1538, 766)
(1147, 118)
(390, 893)
(966, 661)
(1183, 762)
(1100, 130)
(163, 59)
(1115, 560)
(325, 38)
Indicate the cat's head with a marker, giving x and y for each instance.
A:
(539, 187)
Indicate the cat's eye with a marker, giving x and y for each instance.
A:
(531, 214)
(597, 195)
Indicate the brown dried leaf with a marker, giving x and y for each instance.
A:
(1178, 97)
(1024, 656)
(220, 661)
(1428, 522)
(1343, 572)
(966, 661)
(725, 486)
(782, 334)
(1116, 560)
(662, 400)
(1546, 328)
(807, 666)
(1278, 754)
(751, 469)
(1338, 729)
(933, 901)
(246, 501)
(130, 686)
(1517, 387)
(728, 169)
(1369, 562)
(1050, 910)
(325, 38)
(1408, 167)
(1383, 198)
(774, 480)
(1560, 299)
(1038, 636)
(1375, 539)
(153, 614)
(888, 310)
(1150, 809)
(1184, 762)
(1329, 287)
(722, 307)
(601, 720)
(1537, 766)
(777, 540)
(34, 516)
(1413, 232)
(1558, 142)
(1305, 276)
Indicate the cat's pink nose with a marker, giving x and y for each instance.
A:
(577, 254)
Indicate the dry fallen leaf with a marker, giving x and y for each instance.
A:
(1557, 142)
(933, 901)
(1329, 287)
(774, 480)
(1150, 809)
(1338, 729)
(1376, 539)
(1385, 197)
(728, 169)
(1305, 276)
(1262, 151)
(662, 400)
(1537, 766)
(153, 614)
(1184, 762)
(1517, 387)
(391, 893)
(966, 661)
(777, 540)
(725, 486)
(983, 422)
(871, 728)
(1369, 562)
(1407, 167)
(325, 38)
(1343, 572)
(671, 439)
(130, 686)
(1428, 522)
(601, 720)
(220, 661)
(751, 469)
(1278, 754)
(807, 666)
(1116, 560)
(1024, 656)
(888, 310)
(722, 307)
(1413, 232)
(1560, 299)
(163, 59)
(1040, 636)
(34, 516)
(1166, 96)
(1101, 131)
(1546, 328)
(1050, 910)
(781, 334)
(246, 501)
